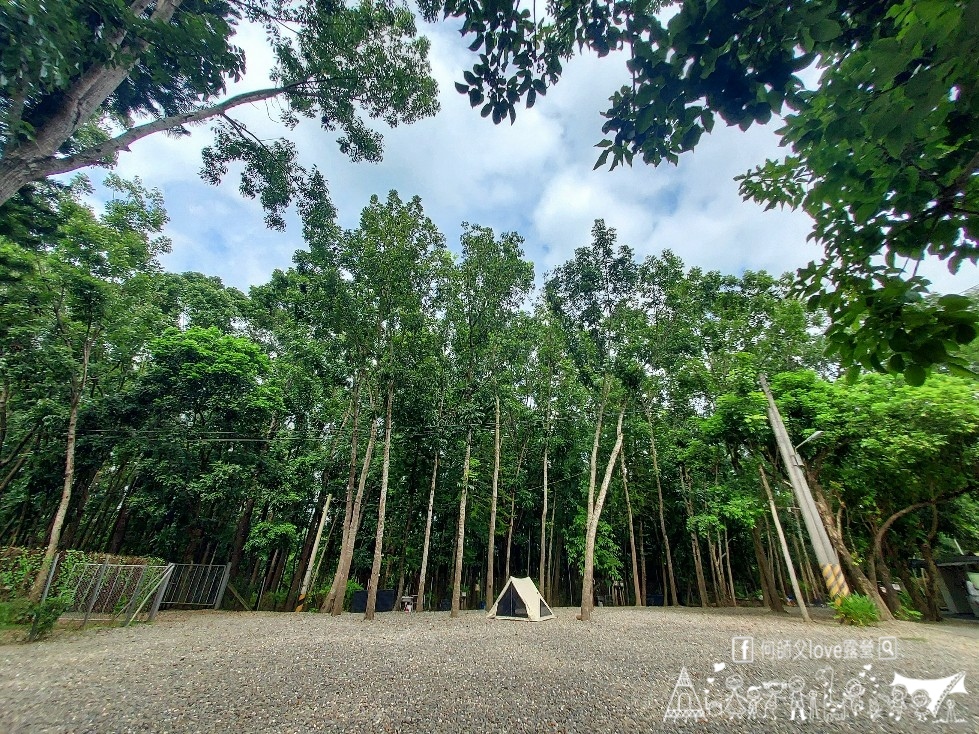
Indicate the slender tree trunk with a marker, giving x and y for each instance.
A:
(304, 559)
(719, 591)
(632, 532)
(269, 572)
(910, 583)
(18, 464)
(833, 531)
(241, 535)
(428, 534)
(674, 599)
(695, 547)
(587, 603)
(381, 509)
(730, 575)
(119, 527)
(461, 530)
(772, 600)
(552, 567)
(643, 579)
(781, 569)
(891, 598)
(339, 587)
(543, 529)
(932, 612)
(491, 542)
(699, 568)
(59, 518)
(278, 569)
(348, 508)
(509, 532)
(594, 514)
(309, 572)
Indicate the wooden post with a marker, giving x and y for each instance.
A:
(785, 548)
(307, 579)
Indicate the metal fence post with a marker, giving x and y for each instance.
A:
(225, 577)
(128, 611)
(47, 584)
(95, 593)
(158, 599)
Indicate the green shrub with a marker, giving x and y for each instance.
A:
(908, 614)
(15, 612)
(352, 586)
(857, 610)
(18, 567)
(44, 616)
(906, 610)
(315, 599)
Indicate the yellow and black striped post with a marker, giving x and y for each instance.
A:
(835, 582)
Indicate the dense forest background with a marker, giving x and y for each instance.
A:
(457, 416)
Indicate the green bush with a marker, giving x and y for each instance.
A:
(315, 599)
(352, 586)
(908, 614)
(45, 615)
(857, 610)
(15, 612)
(18, 567)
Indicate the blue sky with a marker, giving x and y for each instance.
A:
(534, 177)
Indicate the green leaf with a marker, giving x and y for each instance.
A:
(915, 375)
(954, 302)
(825, 30)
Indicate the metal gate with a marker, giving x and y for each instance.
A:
(109, 591)
(196, 585)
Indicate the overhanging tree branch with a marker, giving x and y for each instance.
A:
(97, 153)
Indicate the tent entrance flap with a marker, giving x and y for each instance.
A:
(521, 600)
(511, 605)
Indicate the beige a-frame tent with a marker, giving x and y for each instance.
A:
(520, 600)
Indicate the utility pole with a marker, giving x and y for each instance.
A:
(829, 562)
(308, 578)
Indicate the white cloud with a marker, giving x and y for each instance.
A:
(534, 177)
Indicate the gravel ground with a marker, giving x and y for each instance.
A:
(260, 672)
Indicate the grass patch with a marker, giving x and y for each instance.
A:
(857, 610)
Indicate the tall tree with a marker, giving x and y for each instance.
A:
(884, 151)
(92, 282)
(491, 282)
(85, 80)
(590, 294)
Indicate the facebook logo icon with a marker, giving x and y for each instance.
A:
(743, 649)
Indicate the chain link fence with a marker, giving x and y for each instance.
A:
(111, 592)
